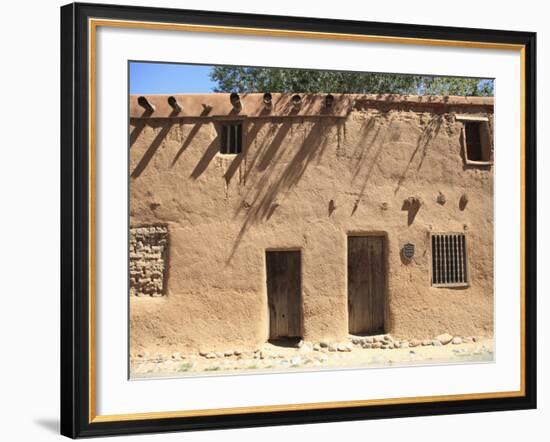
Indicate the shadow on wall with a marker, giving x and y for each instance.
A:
(194, 131)
(368, 137)
(155, 144)
(250, 136)
(262, 199)
(411, 206)
(260, 202)
(427, 135)
(139, 126)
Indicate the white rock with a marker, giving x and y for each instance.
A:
(345, 346)
(444, 338)
(296, 360)
(456, 340)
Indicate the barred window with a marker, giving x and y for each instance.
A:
(449, 260)
(232, 138)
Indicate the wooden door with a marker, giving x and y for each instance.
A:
(366, 284)
(284, 294)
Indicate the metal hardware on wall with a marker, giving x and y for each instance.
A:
(408, 252)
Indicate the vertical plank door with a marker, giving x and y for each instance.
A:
(284, 294)
(366, 284)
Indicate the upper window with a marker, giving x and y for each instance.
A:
(449, 260)
(476, 137)
(232, 138)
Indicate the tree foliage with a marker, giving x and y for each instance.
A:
(251, 79)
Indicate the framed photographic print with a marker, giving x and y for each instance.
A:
(274, 220)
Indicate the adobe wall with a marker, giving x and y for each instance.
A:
(222, 213)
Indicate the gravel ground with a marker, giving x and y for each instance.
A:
(383, 351)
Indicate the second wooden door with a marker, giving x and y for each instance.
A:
(366, 284)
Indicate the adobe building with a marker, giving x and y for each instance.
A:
(265, 216)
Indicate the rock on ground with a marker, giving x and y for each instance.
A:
(444, 338)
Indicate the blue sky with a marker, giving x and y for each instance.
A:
(169, 78)
(173, 78)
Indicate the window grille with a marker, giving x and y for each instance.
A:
(449, 260)
(232, 138)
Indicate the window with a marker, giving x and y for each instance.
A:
(473, 141)
(449, 260)
(232, 138)
(477, 140)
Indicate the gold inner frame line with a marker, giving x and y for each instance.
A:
(93, 24)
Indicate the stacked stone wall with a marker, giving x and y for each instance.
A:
(148, 253)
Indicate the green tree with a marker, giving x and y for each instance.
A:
(251, 79)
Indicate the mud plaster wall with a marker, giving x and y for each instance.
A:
(222, 212)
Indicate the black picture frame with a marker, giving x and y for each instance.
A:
(76, 418)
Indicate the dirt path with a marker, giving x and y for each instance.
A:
(272, 358)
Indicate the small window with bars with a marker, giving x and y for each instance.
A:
(449, 260)
(232, 138)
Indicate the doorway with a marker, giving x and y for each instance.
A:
(366, 284)
(284, 294)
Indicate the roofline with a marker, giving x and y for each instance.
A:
(252, 105)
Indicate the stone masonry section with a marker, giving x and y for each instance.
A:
(148, 252)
